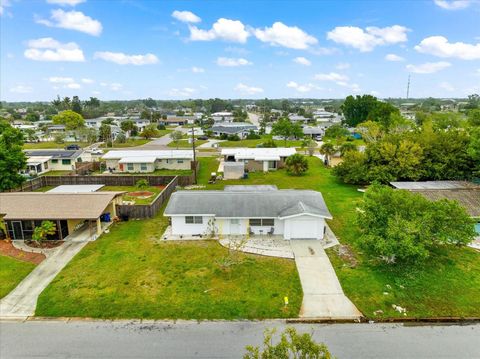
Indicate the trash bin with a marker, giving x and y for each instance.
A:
(106, 217)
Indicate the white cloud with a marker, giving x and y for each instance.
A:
(88, 81)
(453, 4)
(115, 86)
(183, 92)
(232, 62)
(49, 49)
(439, 46)
(342, 66)
(60, 80)
(185, 16)
(302, 61)
(366, 40)
(124, 59)
(222, 29)
(4, 4)
(73, 20)
(287, 36)
(332, 76)
(428, 67)
(248, 90)
(65, 2)
(302, 88)
(21, 89)
(446, 86)
(73, 86)
(197, 70)
(393, 57)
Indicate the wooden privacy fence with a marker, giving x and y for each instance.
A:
(147, 210)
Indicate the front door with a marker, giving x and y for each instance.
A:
(235, 226)
(17, 230)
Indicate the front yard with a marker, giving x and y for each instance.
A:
(50, 144)
(447, 285)
(12, 272)
(256, 142)
(131, 142)
(185, 144)
(130, 273)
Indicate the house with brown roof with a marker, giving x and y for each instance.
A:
(21, 212)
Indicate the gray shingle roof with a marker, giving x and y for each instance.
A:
(247, 204)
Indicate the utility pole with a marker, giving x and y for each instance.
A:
(408, 86)
(194, 156)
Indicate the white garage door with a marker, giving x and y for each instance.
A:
(304, 228)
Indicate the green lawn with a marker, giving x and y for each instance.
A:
(126, 197)
(185, 144)
(159, 172)
(447, 285)
(128, 273)
(51, 144)
(56, 173)
(254, 143)
(131, 142)
(12, 272)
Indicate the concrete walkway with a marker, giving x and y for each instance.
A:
(323, 296)
(274, 246)
(22, 301)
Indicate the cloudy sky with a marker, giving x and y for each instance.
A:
(250, 49)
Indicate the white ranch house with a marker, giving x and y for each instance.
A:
(138, 161)
(248, 210)
(258, 159)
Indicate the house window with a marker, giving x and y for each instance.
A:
(179, 161)
(54, 161)
(143, 166)
(45, 165)
(65, 162)
(193, 219)
(261, 222)
(129, 166)
(168, 161)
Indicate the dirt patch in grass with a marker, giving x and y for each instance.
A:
(346, 254)
(141, 194)
(7, 249)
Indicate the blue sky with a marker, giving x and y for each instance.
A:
(231, 49)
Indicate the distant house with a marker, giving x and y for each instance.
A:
(242, 129)
(248, 210)
(313, 131)
(41, 161)
(138, 161)
(258, 159)
(21, 212)
(177, 120)
(297, 118)
(222, 116)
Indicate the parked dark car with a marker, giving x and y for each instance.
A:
(202, 138)
(72, 147)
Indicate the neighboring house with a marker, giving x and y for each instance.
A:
(222, 117)
(467, 194)
(258, 159)
(297, 118)
(174, 121)
(242, 129)
(247, 210)
(21, 212)
(147, 160)
(313, 131)
(41, 161)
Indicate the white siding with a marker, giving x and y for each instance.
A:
(226, 227)
(179, 227)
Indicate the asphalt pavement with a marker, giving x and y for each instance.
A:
(189, 339)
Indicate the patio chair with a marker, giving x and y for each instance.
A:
(270, 232)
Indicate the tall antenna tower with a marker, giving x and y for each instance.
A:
(408, 86)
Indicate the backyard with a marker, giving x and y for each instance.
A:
(133, 194)
(447, 285)
(131, 273)
(256, 142)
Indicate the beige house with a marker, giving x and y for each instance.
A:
(144, 161)
(258, 159)
(21, 212)
(41, 161)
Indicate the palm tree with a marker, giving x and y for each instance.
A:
(327, 149)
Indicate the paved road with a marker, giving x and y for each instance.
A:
(22, 301)
(254, 118)
(323, 295)
(227, 339)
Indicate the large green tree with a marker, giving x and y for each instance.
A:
(401, 227)
(296, 164)
(70, 119)
(356, 109)
(12, 158)
(286, 129)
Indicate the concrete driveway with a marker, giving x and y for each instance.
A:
(323, 296)
(22, 301)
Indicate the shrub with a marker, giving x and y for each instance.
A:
(296, 164)
(141, 184)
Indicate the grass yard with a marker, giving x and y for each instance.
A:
(56, 173)
(128, 273)
(447, 285)
(51, 144)
(185, 144)
(255, 143)
(44, 189)
(159, 172)
(137, 200)
(131, 142)
(12, 272)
